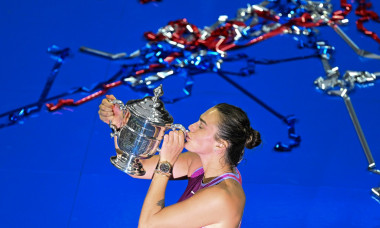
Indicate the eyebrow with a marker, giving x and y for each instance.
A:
(202, 120)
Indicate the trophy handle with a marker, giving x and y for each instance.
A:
(115, 131)
(175, 127)
(120, 103)
(179, 127)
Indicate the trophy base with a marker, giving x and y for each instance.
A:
(131, 166)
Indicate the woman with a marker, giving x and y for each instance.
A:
(214, 196)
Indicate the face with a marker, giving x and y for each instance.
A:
(201, 138)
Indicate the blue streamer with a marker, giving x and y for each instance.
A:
(16, 115)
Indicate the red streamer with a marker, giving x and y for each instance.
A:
(362, 11)
(365, 16)
(222, 38)
(70, 102)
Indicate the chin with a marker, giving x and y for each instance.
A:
(189, 147)
(186, 146)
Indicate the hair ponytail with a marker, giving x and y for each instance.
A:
(235, 128)
(253, 138)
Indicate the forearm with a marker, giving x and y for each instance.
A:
(154, 201)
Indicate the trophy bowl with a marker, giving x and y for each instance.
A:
(144, 124)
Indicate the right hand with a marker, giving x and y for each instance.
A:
(172, 146)
(110, 112)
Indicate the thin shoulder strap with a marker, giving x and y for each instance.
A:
(197, 172)
(223, 177)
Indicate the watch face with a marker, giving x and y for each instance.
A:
(165, 167)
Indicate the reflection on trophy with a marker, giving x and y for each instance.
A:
(143, 127)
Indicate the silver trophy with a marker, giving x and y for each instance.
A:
(143, 127)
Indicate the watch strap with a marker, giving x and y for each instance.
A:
(160, 168)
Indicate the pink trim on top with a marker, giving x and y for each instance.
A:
(223, 177)
(197, 172)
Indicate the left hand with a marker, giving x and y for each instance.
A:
(172, 146)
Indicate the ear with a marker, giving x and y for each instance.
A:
(221, 144)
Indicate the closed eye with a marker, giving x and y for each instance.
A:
(202, 121)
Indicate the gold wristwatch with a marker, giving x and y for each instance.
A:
(164, 168)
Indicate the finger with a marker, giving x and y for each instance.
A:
(181, 138)
(105, 114)
(106, 103)
(171, 137)
(116, 110)
(105, 108)
(165, 142)
(104, 119)
(175, 138)
(110, 97)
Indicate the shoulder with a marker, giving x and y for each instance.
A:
(186, 164)
(193, 161)
(227, 200)
(221, 205)
(227, 193)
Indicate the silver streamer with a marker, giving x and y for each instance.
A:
(320, 12)
(335, 85)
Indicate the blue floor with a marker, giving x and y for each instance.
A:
(54, 166)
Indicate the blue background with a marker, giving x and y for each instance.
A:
(55, 169)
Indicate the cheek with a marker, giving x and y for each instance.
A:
(193, 146)
(201, 141)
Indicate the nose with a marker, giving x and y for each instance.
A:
(191, 127)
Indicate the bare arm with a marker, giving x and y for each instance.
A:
(210, 206)
(221, 204)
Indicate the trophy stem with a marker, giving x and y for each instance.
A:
(129, 164)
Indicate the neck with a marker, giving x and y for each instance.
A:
(214, 166)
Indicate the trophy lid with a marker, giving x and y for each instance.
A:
(151, 108)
